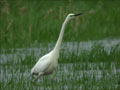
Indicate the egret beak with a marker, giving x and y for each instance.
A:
(78, 14)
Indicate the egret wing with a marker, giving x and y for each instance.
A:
(42, 64)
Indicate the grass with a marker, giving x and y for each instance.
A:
(69, 76)
(97, 53)
(28, 30)
(24, 23)
(89, 70)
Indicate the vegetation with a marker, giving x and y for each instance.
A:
(29, 29)
(26, 22)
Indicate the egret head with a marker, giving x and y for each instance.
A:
(70, 16)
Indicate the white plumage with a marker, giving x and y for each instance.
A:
(47, 64)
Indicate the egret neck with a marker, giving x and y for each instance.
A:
(59, 41)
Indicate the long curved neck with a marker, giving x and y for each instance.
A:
(59, 41)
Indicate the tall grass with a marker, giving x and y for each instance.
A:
(22, 23)
(91, 70)
(29, 57)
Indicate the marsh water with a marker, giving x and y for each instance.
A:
(16, 65)
(68, 47)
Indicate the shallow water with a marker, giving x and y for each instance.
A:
(16, 66)
(82, 73)
(67, 47)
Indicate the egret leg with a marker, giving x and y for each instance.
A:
(52, 75)
(38, 76)
(32, 75)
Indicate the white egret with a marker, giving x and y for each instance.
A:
(47, 64)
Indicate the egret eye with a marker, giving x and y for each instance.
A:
(71, 15)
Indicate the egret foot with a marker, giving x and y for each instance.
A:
(41, 73)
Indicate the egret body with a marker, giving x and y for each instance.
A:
(47, 64)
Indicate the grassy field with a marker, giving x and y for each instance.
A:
(90, 52)
(70, 76)
(94, 69)
(23, 23)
